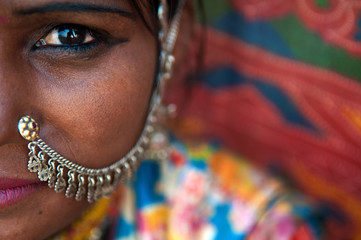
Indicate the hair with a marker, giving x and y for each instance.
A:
(151, 6)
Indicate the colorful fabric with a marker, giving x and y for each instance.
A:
(280, 84)
(95, 223)
(206, 193)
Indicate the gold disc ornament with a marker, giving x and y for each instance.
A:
(28, 128)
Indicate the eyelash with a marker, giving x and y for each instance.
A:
(75, 48)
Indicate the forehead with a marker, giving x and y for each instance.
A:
(18, 7)
(13, 10)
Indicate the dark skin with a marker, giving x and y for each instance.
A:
(90, 103)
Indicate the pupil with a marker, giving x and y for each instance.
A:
(71, 36)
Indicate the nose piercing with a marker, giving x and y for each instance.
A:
(28, 128)
(75, 180)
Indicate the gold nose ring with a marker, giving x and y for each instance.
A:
(28, 128)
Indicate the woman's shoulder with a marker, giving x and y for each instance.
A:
(205, 182)
(204, 191)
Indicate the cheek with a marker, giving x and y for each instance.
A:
(94, 116)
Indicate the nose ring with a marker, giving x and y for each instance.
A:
(28, 128)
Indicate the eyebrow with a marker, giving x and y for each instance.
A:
(73, 7)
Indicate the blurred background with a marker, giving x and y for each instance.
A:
(280, 84)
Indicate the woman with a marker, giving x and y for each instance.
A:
(85, 78)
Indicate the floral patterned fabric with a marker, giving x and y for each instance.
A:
(205, 192)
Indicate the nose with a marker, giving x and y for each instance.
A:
(12, 101)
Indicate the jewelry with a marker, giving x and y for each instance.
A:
(81, 182)
(159, 146)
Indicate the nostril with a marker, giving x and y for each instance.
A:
(9, 117)
(13, 104)
(7, 134)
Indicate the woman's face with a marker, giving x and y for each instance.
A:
(84, 70)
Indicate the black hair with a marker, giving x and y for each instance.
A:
(152, 6)
(153, 26)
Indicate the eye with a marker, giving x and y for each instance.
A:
(67, 36)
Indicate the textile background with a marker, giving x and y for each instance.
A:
(280, 85)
